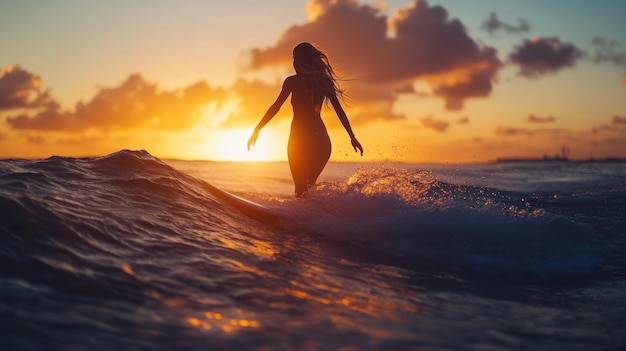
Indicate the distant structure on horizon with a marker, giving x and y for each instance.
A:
(563, 157)
(565, 152)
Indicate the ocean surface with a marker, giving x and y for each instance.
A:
(130, 252)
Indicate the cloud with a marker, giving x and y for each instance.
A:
(38, 140)
(479, 84)
(617, 125)
(418, 43)
(540, 56)
(608, 51)
(82, 140)
(375, 110)
(254, 97)
(136, 103)
(602, 128)
(20, 89)
(434, 124)
(463, 120)
(536, 119)
(493, 24)
(619, 120)
(512, 131)
(503, 131)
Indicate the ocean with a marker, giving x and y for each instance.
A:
(130, 252)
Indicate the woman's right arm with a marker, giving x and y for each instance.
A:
(272, 110)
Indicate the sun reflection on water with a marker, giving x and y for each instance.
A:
(273, 300)
(227, 322)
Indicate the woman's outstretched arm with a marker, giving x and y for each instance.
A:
(272, 110)
(346, 124)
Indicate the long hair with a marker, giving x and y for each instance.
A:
(318, 75)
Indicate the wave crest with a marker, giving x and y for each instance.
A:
(414, 216)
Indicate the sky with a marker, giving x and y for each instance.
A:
(444, 81)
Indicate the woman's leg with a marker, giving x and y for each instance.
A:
(298, 165)
(307, 159)
(319, 156)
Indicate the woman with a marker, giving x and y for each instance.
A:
(309, 146)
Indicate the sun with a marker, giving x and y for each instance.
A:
(231, 145)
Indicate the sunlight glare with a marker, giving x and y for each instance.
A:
(231, 145)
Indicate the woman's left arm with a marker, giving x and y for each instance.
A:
(344, 121)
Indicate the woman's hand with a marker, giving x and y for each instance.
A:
(252, 139)
(356, 145)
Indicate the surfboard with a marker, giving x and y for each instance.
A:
(247, 207)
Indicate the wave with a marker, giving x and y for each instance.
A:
(74, 225)
(414, 216)
(92, 218)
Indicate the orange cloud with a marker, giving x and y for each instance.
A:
(418, 43)
(254, 98)
(463, 120)
(529, 132)
(617, 125)
(36, 140)
(619, 120)
(536, 119)
(20, 89)
(135, 103)
(434, 124)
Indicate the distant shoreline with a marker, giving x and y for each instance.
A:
(558, 159)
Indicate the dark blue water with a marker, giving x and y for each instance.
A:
(128, 252)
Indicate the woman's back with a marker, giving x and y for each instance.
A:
(306, 108)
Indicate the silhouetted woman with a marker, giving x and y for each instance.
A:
(309, 145)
